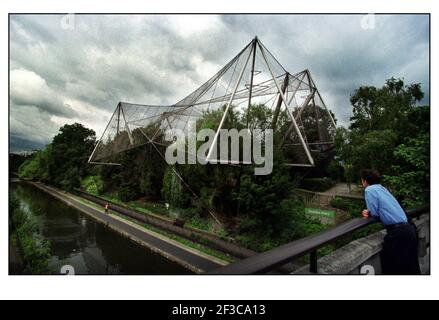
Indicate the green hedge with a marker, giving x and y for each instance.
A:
(340, 203)
(354, 207)
(93, 185)
(317, 184)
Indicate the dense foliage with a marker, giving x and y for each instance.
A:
(64, 161)
(352, 206)
(34, 249)
(260, 211)
(317, 184)
(16, 160)
(389, 132)
(409, 176)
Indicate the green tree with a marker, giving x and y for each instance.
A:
(36, 167)
(384, 108)
(63, 162)
(389, 132)
(71, 148)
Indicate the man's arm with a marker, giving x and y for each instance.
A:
(371, 202)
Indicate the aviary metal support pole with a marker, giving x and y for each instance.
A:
(251, 78)
(106, 163)
(213, 145)
(296, 89)
(181, 179)
(118, 119)
(100, 140)
(215, 77)
(324, 104)
(279, 102)
(299, 113)
(316, 111)
(126, 127)
(308, 154)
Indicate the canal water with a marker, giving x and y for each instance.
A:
(79, 241)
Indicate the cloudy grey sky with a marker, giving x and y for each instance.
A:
(78, 70)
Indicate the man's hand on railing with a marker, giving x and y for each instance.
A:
(365, 213)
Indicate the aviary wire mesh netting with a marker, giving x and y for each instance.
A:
(252, 78)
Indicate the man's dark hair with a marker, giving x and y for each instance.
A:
(372, 176)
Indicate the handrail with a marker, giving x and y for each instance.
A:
(341, 195)
(272, 259)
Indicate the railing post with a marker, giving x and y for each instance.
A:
(313, 261)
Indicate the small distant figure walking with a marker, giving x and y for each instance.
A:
(106, 208)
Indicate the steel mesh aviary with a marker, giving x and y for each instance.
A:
(252, 78)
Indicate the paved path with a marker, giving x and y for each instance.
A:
(342, 189)
(190, 258)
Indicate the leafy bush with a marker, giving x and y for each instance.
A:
(340, 203)
(127, 193)
(30, 168)
(70, 179)
(353, 207)
(173, 191)
(37, 166)
(312, 226)
(410, 183)
(256, 242)
(34, 249)
(196, 221)
(317, 184)
(335, 171)
(274, 215)
(93, 184)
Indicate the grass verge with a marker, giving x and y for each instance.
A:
(194, 245)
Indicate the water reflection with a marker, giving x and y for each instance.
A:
(88, 246)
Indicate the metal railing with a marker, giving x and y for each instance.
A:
(275, 258)
(323, 199)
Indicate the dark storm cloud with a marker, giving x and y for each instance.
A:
(340, 54)
(29, 89)
(60, 75)
(20, 145)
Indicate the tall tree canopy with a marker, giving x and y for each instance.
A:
(389, 131)
(64, 161)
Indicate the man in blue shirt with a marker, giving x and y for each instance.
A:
(400, 248)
